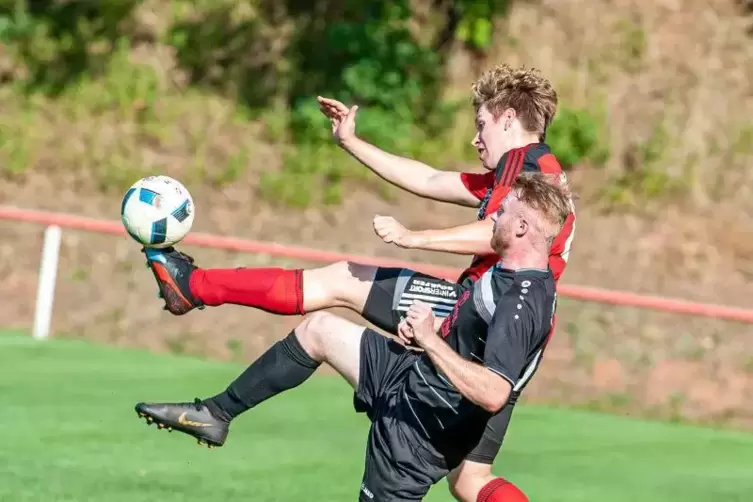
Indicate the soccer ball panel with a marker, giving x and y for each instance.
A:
(157, 211)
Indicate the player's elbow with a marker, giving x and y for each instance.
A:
(498, 395)
(493, 404)
(431, 184)
(447, 186)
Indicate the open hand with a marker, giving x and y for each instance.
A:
(343, 119)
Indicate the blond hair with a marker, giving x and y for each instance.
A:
(523, 89)
(548, 195)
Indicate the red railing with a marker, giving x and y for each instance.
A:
(590, 294)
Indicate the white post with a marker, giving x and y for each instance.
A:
(48, 269)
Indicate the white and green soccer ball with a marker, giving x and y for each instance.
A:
(157, 211)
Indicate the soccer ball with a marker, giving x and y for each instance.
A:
(157, 211)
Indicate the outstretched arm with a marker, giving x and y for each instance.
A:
(471, 239)
(411, 175)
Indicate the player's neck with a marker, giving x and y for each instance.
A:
(524, 258)
(523, 139)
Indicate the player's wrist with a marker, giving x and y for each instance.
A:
(413, 240)
(428, 342)
(348, 143)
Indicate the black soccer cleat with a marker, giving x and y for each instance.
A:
(172, 270)
(194, 419)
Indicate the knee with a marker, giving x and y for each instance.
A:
(466, 481)
(313, 330)
(341, 279)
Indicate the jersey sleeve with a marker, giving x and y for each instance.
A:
(510, 339)
(478, 183)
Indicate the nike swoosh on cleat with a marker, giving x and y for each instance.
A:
(182, 420)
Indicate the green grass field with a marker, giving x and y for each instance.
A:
(70, 434)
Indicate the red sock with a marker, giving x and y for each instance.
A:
(275, 290)
(501, 490)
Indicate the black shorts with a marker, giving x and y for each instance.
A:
(399, 463)
(395, 289)
(494, 434)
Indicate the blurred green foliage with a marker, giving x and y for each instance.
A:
(272, 57)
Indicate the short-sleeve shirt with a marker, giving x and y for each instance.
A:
(502, 322)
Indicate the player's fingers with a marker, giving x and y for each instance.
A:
(383, 234)
(339, 106)
(325, 101)
(334, 104)
(351, 114)
(400, 328)
(408, 341)
(329, 111)
(424, 310)
(412, 324)
(417, 318)
(420, 305)
(405, 331)
(414, 309)
(384, 229)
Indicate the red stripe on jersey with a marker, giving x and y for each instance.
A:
(518, 167)
(514, 159)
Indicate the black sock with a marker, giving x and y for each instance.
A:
(283, 366)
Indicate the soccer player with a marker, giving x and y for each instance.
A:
(513, 108)
(428, 408)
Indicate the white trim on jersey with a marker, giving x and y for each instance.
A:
(530, 370)
(483, 296)
(428, 298)
(418, 368)
(443, 310)
(407, 400)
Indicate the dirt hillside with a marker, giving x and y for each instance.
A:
(671, 73)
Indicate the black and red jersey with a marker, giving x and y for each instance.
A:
(492, 187)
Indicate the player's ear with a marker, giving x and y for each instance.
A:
(508, 117)
(521, 226)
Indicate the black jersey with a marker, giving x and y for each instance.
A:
(503, 323)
